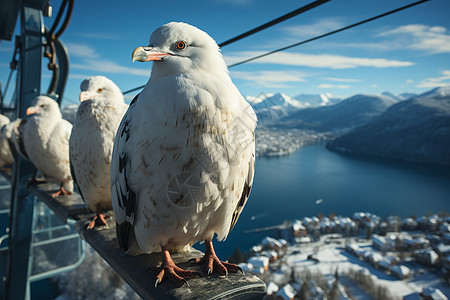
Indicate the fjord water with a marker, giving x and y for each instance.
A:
(287, 188)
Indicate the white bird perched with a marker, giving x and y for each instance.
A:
(184, 154)
(14, 133)
(6, 157)
(46, 139)
(91, 142)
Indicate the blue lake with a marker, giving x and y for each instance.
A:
(286, 188)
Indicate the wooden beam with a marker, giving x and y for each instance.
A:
(137, 270)
(70, 206)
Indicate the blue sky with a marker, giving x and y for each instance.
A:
(405, 52)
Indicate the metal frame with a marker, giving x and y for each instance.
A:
(28, 87)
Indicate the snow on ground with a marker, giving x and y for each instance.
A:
(356, 292)
(333, 256)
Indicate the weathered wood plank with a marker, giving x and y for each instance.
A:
(136, 270)
(70, 206)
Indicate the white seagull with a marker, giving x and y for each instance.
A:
(91, 143)
(184, 154)
(6, 156)
(46, 139)
(14, 133)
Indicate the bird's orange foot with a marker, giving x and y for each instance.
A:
(172, 272)
(99, 220)
(213, 262)
(62, 192)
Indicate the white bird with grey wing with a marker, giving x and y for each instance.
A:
(14, 134)
(46, 141)
(91, 142)
(6, 156)
(184, 154)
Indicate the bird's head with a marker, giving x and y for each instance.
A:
(44, 106)
(180, 48)
(99, 87)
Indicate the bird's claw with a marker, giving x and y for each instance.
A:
(185, 282)
(240, 269)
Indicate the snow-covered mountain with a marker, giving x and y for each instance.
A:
(69, 112)
(346, 114)
(278, 100)
(417, 129)
(270, 107)
(399, 97)
(314, 100)
(443, 91)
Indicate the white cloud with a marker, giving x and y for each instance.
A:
(78, 76)
(317, 60)
(273, 79)
(107, 66)
(333, 86)
(433, 82)
(342, 79)
(88, 59)
(82, 50)
(320, 27)
(425, 38)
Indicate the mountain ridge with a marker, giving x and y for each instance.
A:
(417, 129)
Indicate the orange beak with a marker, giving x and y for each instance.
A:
(32, 110)
(148, 54)
(84, 96)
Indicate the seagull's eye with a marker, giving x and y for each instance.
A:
(99, 90)
(42, 105)
(180, 45)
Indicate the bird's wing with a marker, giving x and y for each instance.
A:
(246, 190)
(83, 105)
(7, 132)
(122, 196)
(58, 143)
(18, 138)
(72, 172)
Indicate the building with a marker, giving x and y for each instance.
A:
(408, 224)
(270, 243)
(272, 289)
(415, 243)
(298, 229)
(431, 293)
(427, 257)
(383, 243)
(401, 272)
(287, 292)
(258, 263)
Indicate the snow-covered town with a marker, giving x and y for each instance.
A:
(362, 257)
(283, 142)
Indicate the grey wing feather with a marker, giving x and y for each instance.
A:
(245, 192)
(19, 138)
(74, 178)
(122, 196)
